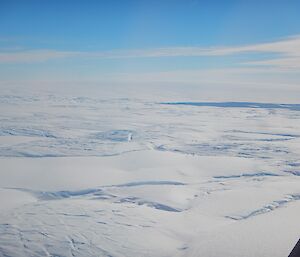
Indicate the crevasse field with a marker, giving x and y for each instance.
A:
(139, 176)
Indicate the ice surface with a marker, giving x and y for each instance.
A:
(98, 176)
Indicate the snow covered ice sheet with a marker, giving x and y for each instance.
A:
(95, 176)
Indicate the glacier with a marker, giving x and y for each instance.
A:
(98, 176)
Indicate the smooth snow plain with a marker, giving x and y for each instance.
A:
(98, 176)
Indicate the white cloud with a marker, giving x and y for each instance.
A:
(292, 62)
(34, 56)
(288, 51)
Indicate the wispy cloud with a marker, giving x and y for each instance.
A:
(287, 50)
(34, 56)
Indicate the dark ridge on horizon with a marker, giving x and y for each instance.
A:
(294, 107)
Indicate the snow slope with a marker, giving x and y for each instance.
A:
(91, 176)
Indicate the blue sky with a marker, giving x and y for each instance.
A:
(106, 25)
(131, 40)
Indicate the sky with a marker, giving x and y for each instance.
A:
(188, 42)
